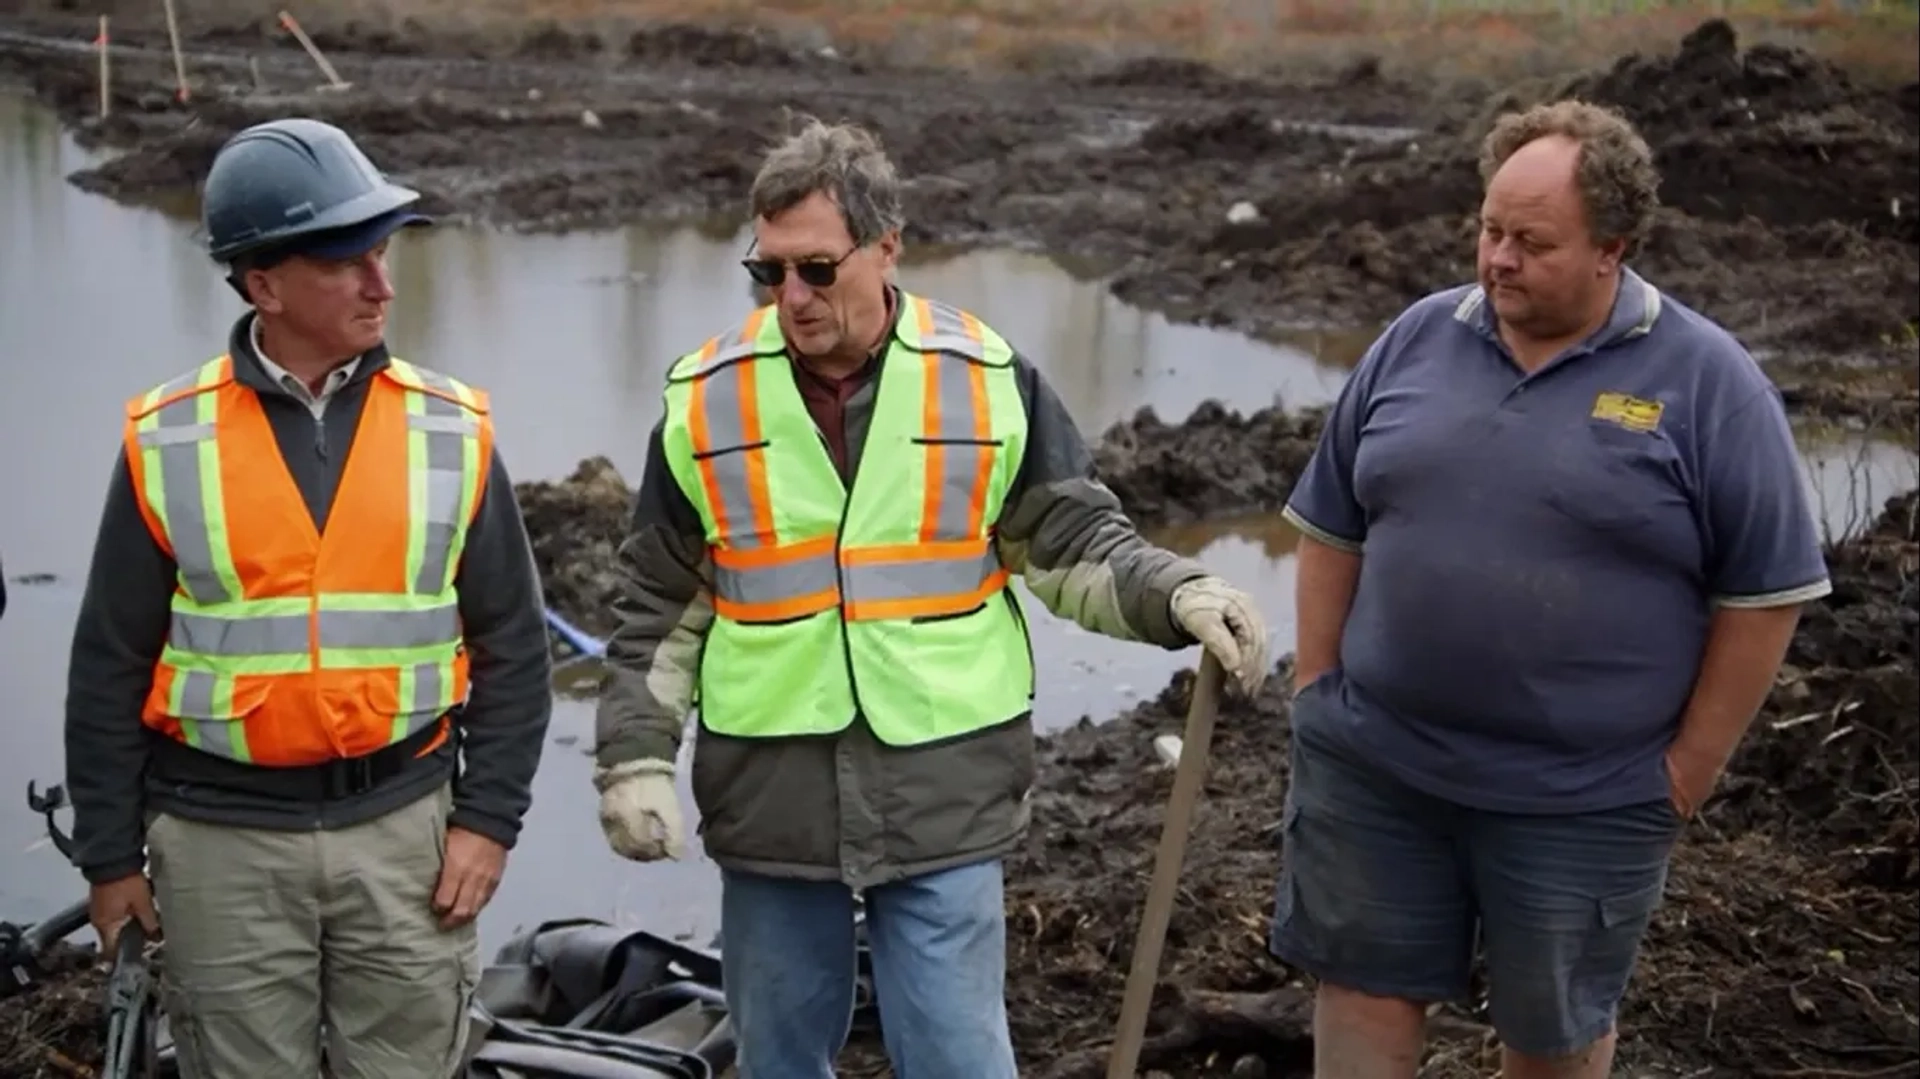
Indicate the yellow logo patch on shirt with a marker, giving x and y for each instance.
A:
(1632, 413)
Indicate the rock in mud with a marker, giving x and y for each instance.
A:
(575, 526)
(1217, 463)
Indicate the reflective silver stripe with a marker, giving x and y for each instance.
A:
(961, 455)
(389, 629)
(726, 435)
(777, 584)
(949, 332)
(283, 634)
(209, 635)
(177, 434)
(743, 340)
(868, 582)
(171, 436)
(199, 715)
(446, 427)
(422, 687)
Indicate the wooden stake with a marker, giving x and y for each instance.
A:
(306, 43)
(1188, 776)
(106, 88)
(179, 62)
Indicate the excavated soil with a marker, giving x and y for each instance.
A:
(1788, 196)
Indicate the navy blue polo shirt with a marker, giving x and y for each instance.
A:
(1541, 554)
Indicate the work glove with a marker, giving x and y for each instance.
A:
(1225, 622)
(640, 810)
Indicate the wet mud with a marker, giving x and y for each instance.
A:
(1789, 188)
(1785, 945)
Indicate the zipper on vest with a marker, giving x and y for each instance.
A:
(320, 437)
(839, 535)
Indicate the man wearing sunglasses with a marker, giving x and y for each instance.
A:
(819, 560)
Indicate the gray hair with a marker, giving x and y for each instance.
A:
(845, 162)
(1619, 185)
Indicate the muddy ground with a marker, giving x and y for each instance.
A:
(1789, 188)
(1786, 947)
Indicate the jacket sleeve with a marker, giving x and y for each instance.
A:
(503, 617)
(117, 639)
(662, 610)
(1065, 533)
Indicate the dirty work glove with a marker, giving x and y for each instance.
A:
(1225, 622)
(640, 810)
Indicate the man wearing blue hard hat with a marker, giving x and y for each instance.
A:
(309, 682)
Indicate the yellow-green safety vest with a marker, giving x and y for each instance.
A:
(888, 600)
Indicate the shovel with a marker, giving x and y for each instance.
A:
(1187, 777)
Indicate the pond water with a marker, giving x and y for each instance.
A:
(571, 334)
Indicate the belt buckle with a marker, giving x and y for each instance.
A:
(349, 777)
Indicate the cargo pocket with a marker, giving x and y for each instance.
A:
(1628, 913)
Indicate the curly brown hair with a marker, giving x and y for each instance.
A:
(1619, 186)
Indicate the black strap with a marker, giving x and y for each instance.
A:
(330, 781)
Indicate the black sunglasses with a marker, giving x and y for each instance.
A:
(816, 272)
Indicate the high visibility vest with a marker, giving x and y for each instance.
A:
(289, 645)
(888, 599)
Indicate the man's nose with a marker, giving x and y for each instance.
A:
(375, 283)
(793, 291)
(1505, 255)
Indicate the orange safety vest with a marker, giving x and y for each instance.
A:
(289, 645)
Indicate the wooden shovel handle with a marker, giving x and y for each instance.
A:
(1187, 779)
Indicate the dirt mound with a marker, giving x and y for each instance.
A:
(575, 526)
(1779, 176)
(1216, 463)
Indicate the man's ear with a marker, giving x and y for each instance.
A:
(1611, 254)
(262, 290)
(888, 246)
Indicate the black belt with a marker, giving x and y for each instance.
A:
(328, 781)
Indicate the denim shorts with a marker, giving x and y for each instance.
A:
(1386, 890)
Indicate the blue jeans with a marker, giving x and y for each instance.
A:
(939, 973)
(1384, 889)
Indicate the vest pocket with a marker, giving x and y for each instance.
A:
(212, 710)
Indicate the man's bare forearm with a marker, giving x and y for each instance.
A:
(1745, 646)
(1322, 596)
